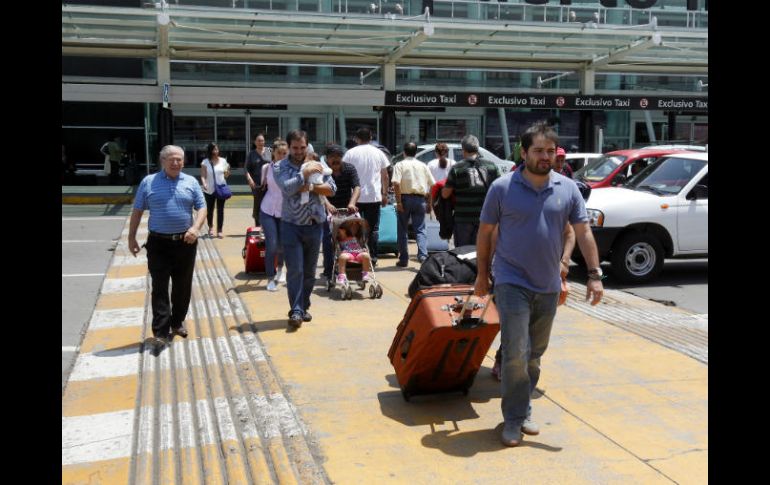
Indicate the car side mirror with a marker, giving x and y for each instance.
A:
(698, 192)
(619, 179)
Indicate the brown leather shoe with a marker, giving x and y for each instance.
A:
(181, 331)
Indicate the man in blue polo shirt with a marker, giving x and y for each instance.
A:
(170, 196)
(301, 221)
(530, 208)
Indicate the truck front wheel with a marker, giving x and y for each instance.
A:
(637, 257)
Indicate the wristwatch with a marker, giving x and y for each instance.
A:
(595, 274)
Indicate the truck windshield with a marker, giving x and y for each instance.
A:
(667, 176)
(599, 168)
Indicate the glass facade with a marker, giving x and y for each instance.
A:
(239, 74)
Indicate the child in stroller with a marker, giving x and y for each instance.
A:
(353, 262)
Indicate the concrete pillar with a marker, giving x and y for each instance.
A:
(389, 77)
(587, 81)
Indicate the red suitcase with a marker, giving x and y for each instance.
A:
(442, 340)
(254, 250)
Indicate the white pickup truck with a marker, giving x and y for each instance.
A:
(661, 212)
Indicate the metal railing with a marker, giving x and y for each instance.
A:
(481, 10)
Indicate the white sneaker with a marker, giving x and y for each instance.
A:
(280, 276)
(272, 286)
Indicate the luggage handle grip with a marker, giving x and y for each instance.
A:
(486, 307)
(467, 311)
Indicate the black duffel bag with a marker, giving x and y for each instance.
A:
(454, 266)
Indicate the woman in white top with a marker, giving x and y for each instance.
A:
(218, 166)
(270, 218)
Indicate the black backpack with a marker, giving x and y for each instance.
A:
(455, 266)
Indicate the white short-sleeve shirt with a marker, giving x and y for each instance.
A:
(438, 172)
(369, 162)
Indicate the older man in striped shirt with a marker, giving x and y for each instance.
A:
(172, 244)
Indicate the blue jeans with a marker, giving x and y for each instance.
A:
(465, 233)
(300, 251)
(328, 249)
(273, 249)
(414, 207)
(526, 318)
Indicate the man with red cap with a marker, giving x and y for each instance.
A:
(560, 165)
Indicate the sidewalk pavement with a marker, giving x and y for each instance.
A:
(242, 400)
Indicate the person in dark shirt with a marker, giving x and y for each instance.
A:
(253, 168)
(348, 189)
(469, 181)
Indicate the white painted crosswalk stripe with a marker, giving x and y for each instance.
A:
(83, 241)
(122, 285)
(138, 260)
(95, 218)
(125, 362)
(96, 437)
(108, 363)
(122, 317)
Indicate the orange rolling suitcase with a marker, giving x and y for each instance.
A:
(254, 250)
(442, 340)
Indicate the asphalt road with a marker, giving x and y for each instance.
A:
(683, 283)
(89, 235)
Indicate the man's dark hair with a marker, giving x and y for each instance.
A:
(410, 149)
(296, 135)
(364, 134)
(334, 150)
(442, 149)
(541, 128)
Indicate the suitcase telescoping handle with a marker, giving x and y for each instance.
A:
(490, 299)
(469, 305)
(467, 310)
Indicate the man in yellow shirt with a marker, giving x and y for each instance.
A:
(412, 181)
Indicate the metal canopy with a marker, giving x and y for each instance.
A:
(214, 34)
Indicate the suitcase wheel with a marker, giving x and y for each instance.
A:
(372, 292)
(379, 291)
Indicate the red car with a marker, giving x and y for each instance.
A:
(614, 168)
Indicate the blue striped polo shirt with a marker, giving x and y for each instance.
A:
(170, 201)
(290, 180)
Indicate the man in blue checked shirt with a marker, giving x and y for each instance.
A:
(301, 223)
(172, 244)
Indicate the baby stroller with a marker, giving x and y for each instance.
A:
(357, 227)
